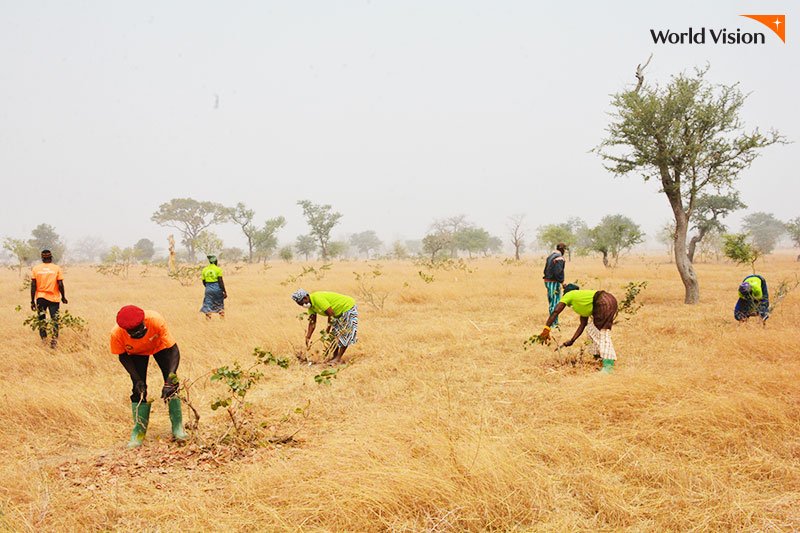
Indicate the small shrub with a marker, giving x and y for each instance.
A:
(307, 271)
(186, 274)
(629, 305)
(366, 290)
(427, 278)
(238, 382)
(66, 320)
(324, 377)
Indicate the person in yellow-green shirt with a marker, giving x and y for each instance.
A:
(214, 300)
(342, 316)
(753, 300)
(602, 307)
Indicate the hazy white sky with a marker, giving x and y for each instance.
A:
(395, 113)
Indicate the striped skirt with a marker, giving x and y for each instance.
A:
(345, 327)
(553, 296)
(601, 342)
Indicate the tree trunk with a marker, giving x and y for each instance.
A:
(605, 259)
(693, 244)
(682, 261)
(516, 253)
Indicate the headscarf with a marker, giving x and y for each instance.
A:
(129, 317)
(570, 287)
(212, 259)
(561, 247)
(745, 289)
(47, 254)
(298, 295)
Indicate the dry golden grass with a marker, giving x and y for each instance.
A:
(442, 423)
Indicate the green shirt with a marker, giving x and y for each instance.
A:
(211, 273)
(754, 282)
(580, 301)
(339, 303)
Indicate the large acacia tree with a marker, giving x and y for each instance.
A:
(688, 136)
(190, 217)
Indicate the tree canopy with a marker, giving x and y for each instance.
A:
(321, 219)
(366, 241)
(208, 243)
(44, 237)
(243, 217)
(472, 240)
(688, 136)
(305, 245)
(793, 228)
(265, 239)
(740, 250)
(709, 211)
(552, 234)
(190, 217)
(145, 249)
(764, 229)
(613, 236)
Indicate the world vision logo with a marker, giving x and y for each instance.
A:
(703, 35)
(776, 23)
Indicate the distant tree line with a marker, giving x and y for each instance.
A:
(447, 237)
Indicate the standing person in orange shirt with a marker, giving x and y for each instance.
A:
(47, 288)
(138, 335)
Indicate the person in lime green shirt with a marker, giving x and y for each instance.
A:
(342, 316)
(602, 307)
(753, 300)
(214, 300)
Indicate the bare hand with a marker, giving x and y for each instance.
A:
(64, 300)
(33, 306)
(308, 343)
(568, 343)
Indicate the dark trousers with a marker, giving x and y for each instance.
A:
(136, 365)
(42, 306)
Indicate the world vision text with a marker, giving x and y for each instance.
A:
(719, 36)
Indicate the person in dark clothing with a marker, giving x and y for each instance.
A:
(554, 277)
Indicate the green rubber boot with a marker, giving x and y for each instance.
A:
(176, 417)
(608, 366)
(141, 417)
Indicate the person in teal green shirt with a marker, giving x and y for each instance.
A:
(602, 307)
(342, 314)
(214, 300)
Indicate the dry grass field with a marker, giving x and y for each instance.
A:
(442, 421)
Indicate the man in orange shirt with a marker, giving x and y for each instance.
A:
(138, 335)
(47, 288)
